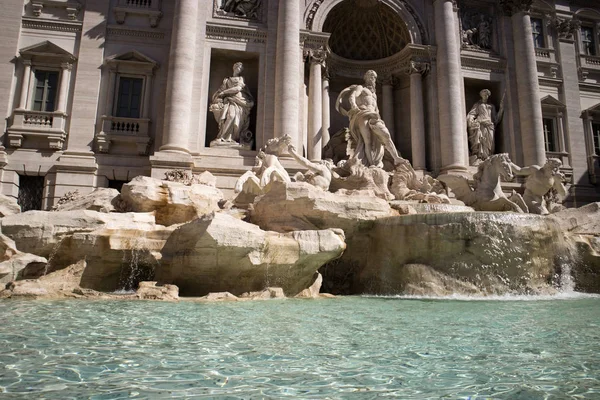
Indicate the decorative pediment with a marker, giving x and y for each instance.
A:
(594, 110)
(47, 50)
(550, 101)
(134, 61)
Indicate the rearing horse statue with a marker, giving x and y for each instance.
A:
(487, 194)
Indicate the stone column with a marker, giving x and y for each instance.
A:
(450, 85)
(567, 31)
(326, 110)
(417, 116)
(147, 95)
(25, 84)
(287, 70)
(387, 103)
(530, 108)
(63, 92)
(315, 104)
(180, 77)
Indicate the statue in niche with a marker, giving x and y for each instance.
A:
(240, 8)
(231, 106)
(481, 124)
(542, 183)
(477, 30)
(368, 133)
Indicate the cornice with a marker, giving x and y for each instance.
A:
(235, 33)
(51, 25)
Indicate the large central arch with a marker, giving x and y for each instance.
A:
(317, 12)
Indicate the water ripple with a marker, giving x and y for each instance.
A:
(348, 347)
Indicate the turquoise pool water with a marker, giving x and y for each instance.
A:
(354, 347)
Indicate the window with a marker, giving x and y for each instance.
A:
(31, 192)
(130, 97)
(116, 184)
(46, 88)
(596, 136)
(588, 43)
(537, 30)
(550, 137)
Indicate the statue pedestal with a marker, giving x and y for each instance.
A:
(229, 145)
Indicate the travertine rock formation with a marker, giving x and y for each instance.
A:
(173, 202)
(102, 200)
(15, 264)
(301, 206)
(219, 253)
(8, 206)
(494, 252)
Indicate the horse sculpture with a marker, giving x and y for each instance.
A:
(487, 194)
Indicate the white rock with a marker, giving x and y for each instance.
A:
(173, 202)
(101, 200)
(8, 206)
(220, 253)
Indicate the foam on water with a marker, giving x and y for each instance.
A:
(505, 297)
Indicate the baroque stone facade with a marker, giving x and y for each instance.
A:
(96, 92)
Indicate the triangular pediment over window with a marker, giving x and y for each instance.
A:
(592, 110)
(47, 49)
(132, 56)
(550, 101)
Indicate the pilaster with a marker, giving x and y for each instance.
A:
(417, 115)
(316, 60)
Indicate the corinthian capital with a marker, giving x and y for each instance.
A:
(512, 7)
(417, 67)
(317, 56)
(566, 27)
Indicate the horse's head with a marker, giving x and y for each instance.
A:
(502, 164)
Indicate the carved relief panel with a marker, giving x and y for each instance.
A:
(478, 25)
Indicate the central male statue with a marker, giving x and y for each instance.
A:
(369, 134)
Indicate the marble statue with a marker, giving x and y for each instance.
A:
(231, 105)
(481, 123)
(406, 185)
(319, 173)
(539, 184)
(241, 8)
(368, 133)
(477, 30)
(487, 194)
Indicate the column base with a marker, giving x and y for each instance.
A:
(168, 160)
(460, 170)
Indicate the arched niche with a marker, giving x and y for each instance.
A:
(318, 11)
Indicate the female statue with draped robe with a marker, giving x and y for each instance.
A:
(231, 106)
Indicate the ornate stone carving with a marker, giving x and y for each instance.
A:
(486, 194)
(481, 124)
(246, 9)
(231, 105)
(476, 30)
(512, 7)
(319, 173)
(317, 56)
(541, 183)
(566, 28)
(368, 133)
(417, 67)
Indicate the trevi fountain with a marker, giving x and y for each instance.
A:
(381, 280)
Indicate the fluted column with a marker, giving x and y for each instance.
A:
(315, 104)
(530, 108)
(387, 103)
(63, 92)
(450, 86)
(288, 59)
(25, 84)
(326, 110)
(417, 116)
(180, 77)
